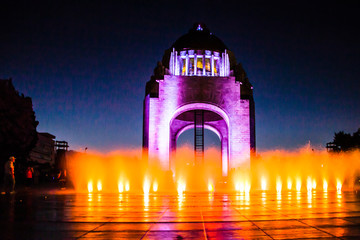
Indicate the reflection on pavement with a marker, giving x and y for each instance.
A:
(262, 214)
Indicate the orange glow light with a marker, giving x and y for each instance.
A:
(90, 186)
(299, 170)
(146, 186)
(325, 185)
(155, 186)
(338, 185)
(313, 184)
(99, 186)
(298, 184)
(278, 184)
(247, 187)
(210, 187)
(121, 187)
(309, 184)
(181, 186)
(289, 184)
(237, 186)
(243, 186)
(263, 183)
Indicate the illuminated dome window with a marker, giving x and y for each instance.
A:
(199, 63)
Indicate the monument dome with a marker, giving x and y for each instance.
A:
(199, 53)
(199, 37)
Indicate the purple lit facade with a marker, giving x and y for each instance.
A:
(199, 73)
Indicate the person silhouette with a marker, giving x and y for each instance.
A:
(9, 175)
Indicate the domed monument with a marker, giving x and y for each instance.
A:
(198, 85)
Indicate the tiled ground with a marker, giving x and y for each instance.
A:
(65, 215)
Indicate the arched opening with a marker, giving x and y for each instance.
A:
(215, 125)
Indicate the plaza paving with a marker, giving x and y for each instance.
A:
(258, 215)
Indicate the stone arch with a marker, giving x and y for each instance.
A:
(201, 106)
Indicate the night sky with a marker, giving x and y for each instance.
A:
(85, 65)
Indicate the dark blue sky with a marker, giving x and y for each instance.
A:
(85, 65)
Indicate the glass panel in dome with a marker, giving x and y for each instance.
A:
(191, 66)
(216, 67)
(207, 67)
(199, 66)
(183, 66)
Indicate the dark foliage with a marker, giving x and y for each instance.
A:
(346, 141)
(17, 123)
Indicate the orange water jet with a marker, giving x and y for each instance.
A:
(300, 170)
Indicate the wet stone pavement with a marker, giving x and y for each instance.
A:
(259, 215)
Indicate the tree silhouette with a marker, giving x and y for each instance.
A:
(356, 138)
(17, 123)
(346, 141)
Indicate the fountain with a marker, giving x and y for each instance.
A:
(302, 170)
